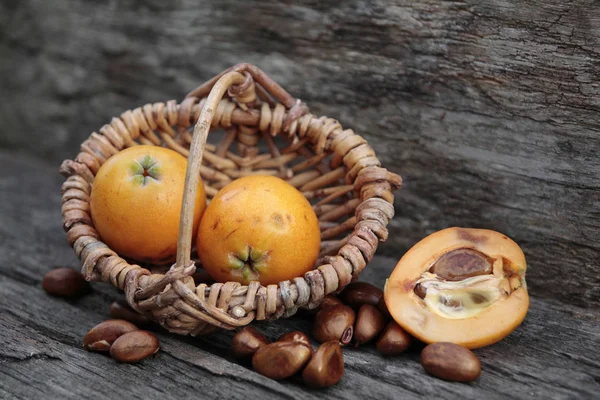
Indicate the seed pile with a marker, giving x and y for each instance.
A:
(356, 317)
(122, 340)
(290, 354)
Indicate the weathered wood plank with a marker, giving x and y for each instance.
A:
(40, 352)
(553, 355)
(489, 110)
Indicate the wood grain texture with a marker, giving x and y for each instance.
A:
(553, 355)
(489, 111)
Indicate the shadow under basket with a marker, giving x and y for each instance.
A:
(258, 128)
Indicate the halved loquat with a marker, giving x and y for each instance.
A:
(460, 285)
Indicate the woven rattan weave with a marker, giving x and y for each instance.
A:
(266, 131)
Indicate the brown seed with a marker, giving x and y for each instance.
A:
(382, 307)
(358, 293)
(65, 282)
(451, 362)
(121, 310)
(369, 323)
(280, 360)
(461, 264)
(103, 335)
(295, 336)
(247, 341)
(326, 367)
(334, 323)
(394, 340)
(420, 291)
(134, 346)
(329, 301)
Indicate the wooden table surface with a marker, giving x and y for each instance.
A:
(554, 355)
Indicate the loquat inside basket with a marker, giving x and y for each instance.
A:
(256, 128)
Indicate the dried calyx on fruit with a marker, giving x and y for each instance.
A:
(461, 285)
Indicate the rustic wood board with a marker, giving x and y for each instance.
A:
(553, 355)
(488, 109)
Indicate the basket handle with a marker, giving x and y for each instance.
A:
(192, 175)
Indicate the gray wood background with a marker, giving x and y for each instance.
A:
(489, 110)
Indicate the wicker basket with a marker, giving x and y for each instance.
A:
(335, 169)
